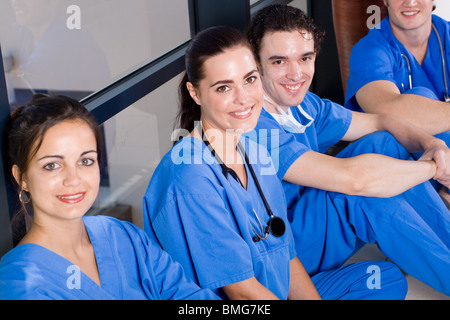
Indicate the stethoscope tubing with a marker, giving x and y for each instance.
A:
(444, 68)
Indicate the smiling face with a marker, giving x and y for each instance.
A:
(63, 176)
(230, 94)
(409, 14)
(287, 66)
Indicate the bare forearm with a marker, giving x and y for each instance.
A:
(411, 137)
(250, 289)
(365, 175)
(383, 97)
(381, 176)
(301, 286)
(430, 115)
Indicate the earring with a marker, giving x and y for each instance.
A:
(28, 198)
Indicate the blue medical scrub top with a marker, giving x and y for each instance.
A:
(378, 56)
(131, 266)
(330, 124)
(205, 220)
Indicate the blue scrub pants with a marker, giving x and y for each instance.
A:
(411, 229)
(369, 280)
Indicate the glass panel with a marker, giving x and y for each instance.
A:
(442, 9)
(136, 140)
(76, 47)
(301, 4)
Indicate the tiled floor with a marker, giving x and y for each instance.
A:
(417, 290)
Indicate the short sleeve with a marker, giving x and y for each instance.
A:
(283, 147)
(331, 121)
(371, 60)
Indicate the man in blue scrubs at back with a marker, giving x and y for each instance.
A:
(402, 68)
(372, 192)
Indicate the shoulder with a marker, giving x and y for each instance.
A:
(266, 121)
(315, 105)
(442, 25)
(312, 101)
(111, 227)
(187, 170)
(21, 274)
(440, 21)
(188, 161)
(378, 40)
(189, 154)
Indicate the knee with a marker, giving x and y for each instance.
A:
(381, 139)
(380, 142)
(445, 136)
(388, 280)
(424, 92)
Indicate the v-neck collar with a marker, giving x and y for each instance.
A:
(110, 287)
(106, 263)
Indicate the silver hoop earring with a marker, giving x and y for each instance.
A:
(21, 198)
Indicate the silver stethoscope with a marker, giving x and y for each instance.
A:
(444, 69)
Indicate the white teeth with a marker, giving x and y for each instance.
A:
(71, 197)
(410, 13)
(293, 87)
(243, 113)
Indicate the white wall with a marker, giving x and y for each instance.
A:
(301, 4)
(443, 9)
(120, 35)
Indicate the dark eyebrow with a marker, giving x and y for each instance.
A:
(87, 152)
(61, 157)
(250, 73)
(311, 53)
(221, 82)
(306, 54)
(277, 58)
(231, 81)
(50, 156)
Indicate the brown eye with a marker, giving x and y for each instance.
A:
(86, 162)
(223, 89)
(251, 80)
(51, 166)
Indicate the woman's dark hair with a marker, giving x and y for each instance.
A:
(206, 44)
(280, 17)
(26, 132)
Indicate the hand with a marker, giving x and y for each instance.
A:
(438, 151)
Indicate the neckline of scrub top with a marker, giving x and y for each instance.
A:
(101, 257)
(225, 168)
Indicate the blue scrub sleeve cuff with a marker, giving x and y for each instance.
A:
(222, 283)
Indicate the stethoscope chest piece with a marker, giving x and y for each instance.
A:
(276, 226)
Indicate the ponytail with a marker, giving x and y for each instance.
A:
(189, 111)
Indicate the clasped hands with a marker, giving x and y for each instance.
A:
(438, 151)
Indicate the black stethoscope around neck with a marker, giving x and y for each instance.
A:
(275, 225)
(444, 68)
